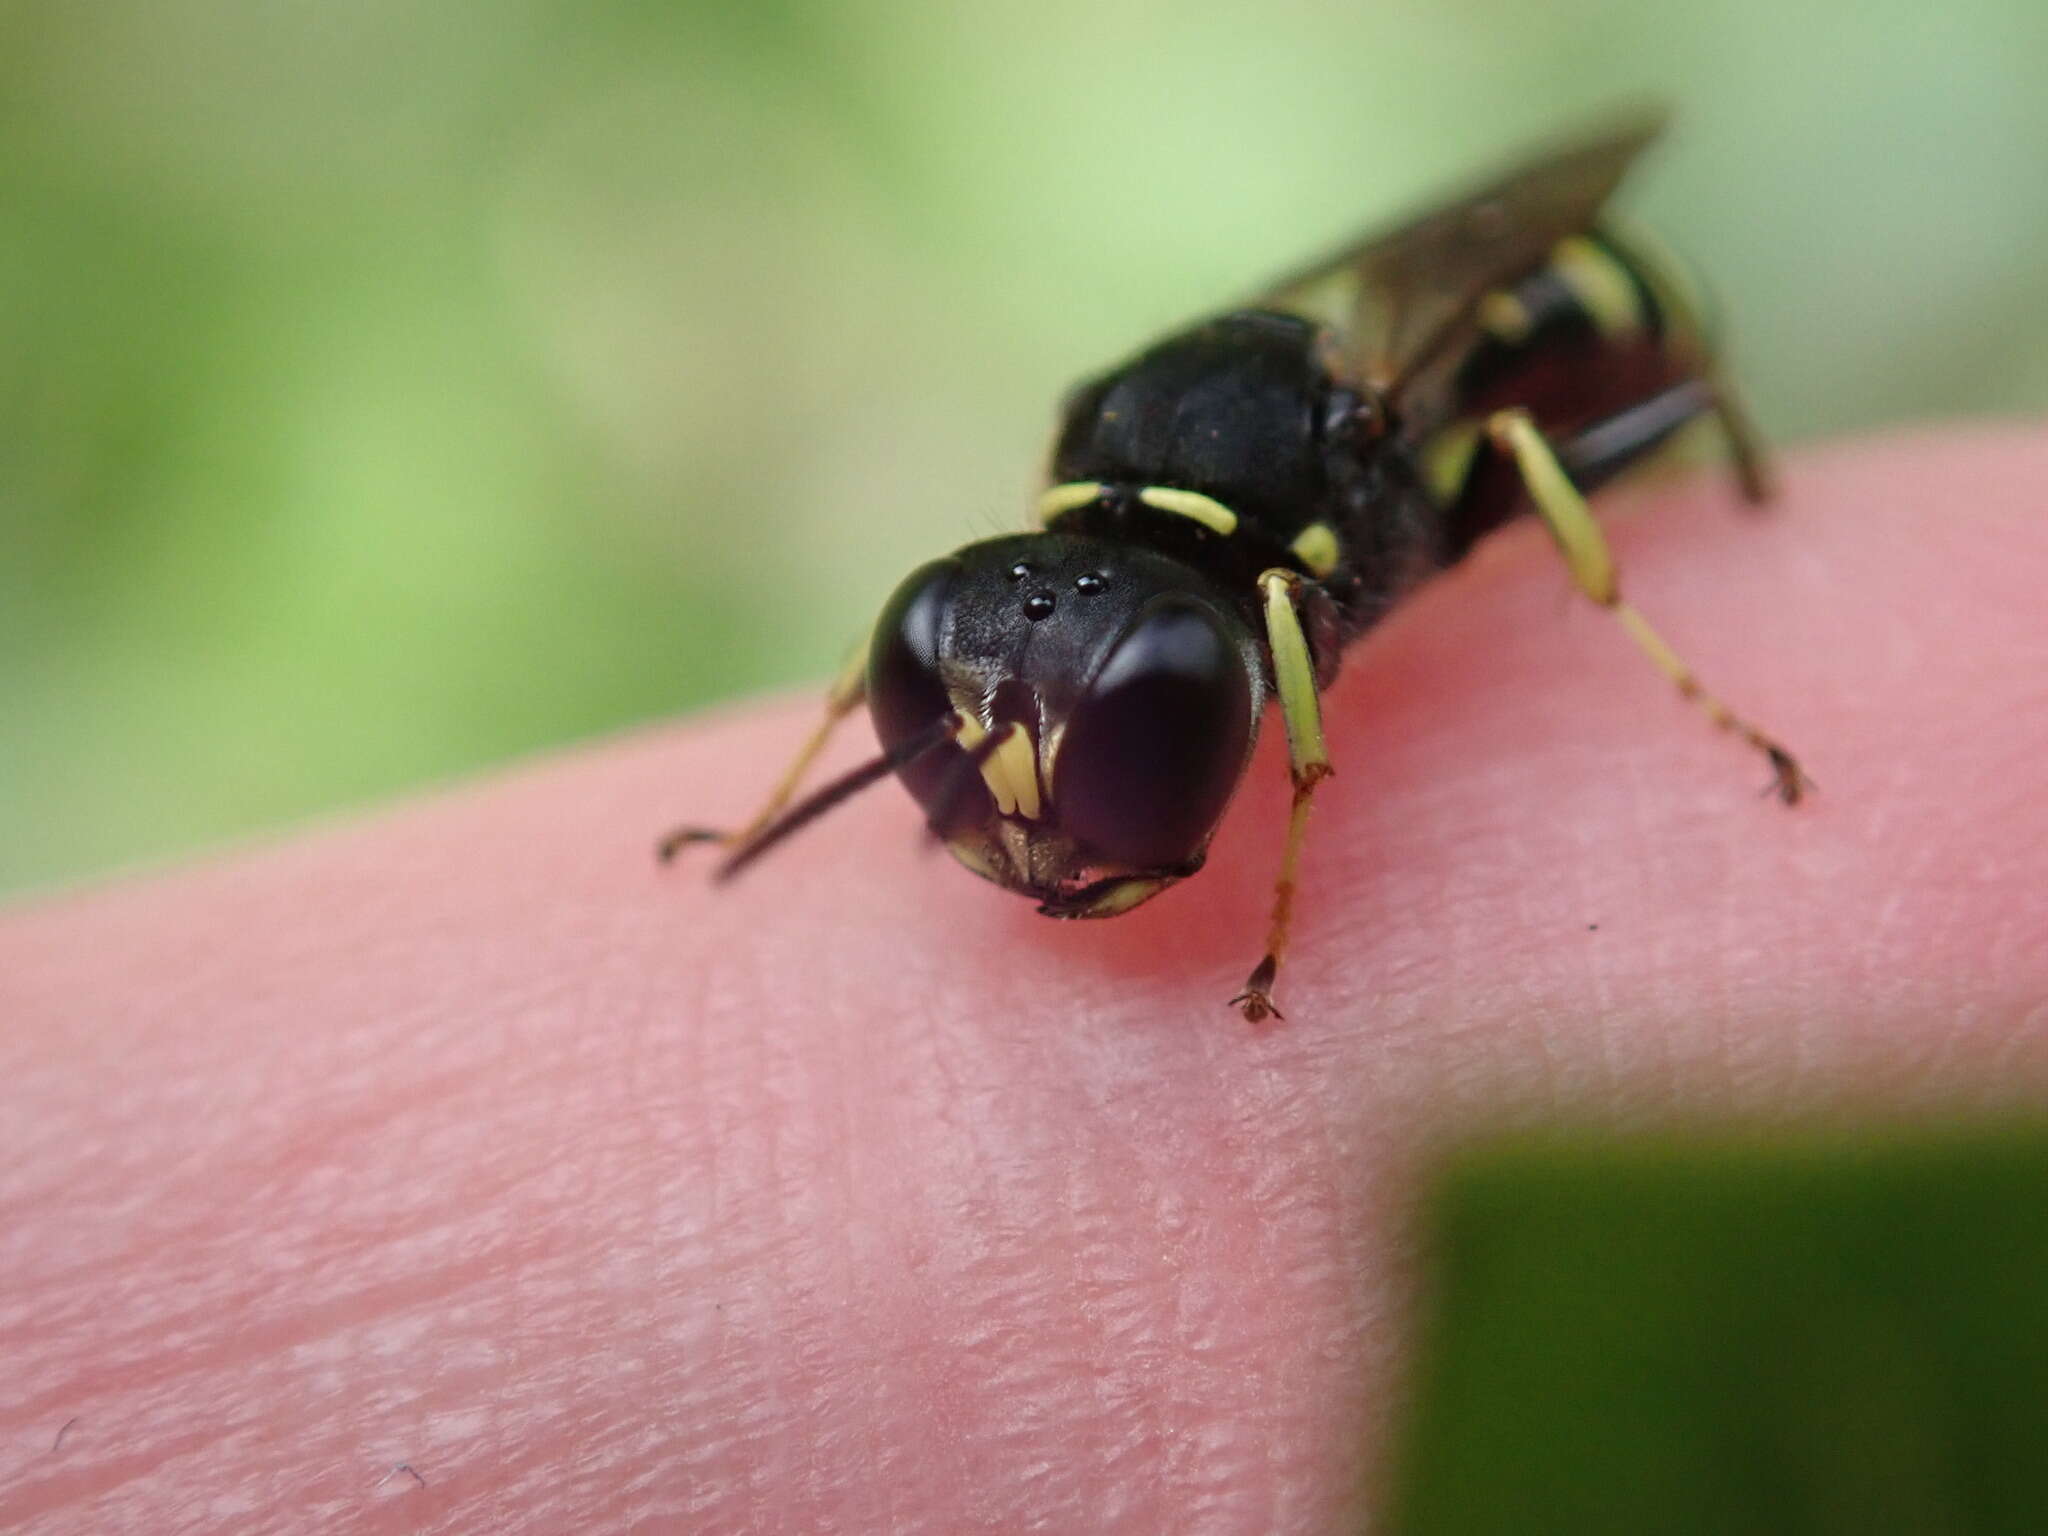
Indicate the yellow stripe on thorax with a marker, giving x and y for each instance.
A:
(1059, 500)
(1206, 510)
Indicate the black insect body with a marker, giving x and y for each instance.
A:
(1073, 708)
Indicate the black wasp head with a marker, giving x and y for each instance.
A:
(1126, 694)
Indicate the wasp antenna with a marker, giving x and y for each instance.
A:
(822, 799)
(666, 850)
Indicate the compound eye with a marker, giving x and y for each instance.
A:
(905, 693)
(1155, 747)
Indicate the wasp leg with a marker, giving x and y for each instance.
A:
(1585, 551)
(1745, 444)
(1606, 448)
(1483, 490)
(1294, 675)
(847, 690)
(1598, 453)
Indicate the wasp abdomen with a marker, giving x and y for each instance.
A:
(1600, 327)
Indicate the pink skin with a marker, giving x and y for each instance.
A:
(858, 1198)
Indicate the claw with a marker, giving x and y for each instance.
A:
(1789, 783)
(1255, 1002)
(1256, 1007)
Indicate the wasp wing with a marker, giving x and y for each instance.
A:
(1399, 299)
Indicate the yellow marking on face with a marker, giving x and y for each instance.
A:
(1011, 771)
(1206, 510)
(1014, 768)
(1062, 499)
(1316, 547)
(1600, 283)
(1447, 459)
(971, 857)
(1505, 318)
(1123, 896)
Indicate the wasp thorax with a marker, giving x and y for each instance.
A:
(1103, 702)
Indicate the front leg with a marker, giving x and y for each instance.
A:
(848, 689)
(1294, 678)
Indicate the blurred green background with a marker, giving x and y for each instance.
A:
(389, 389)
(1825, 1333)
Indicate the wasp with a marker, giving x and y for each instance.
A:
(1229, 510)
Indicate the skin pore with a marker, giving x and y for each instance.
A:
(857, 1197)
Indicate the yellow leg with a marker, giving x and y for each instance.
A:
(1585, 551)
(847, 690)
(1294, 674)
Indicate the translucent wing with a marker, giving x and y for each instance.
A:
(1400, 298)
